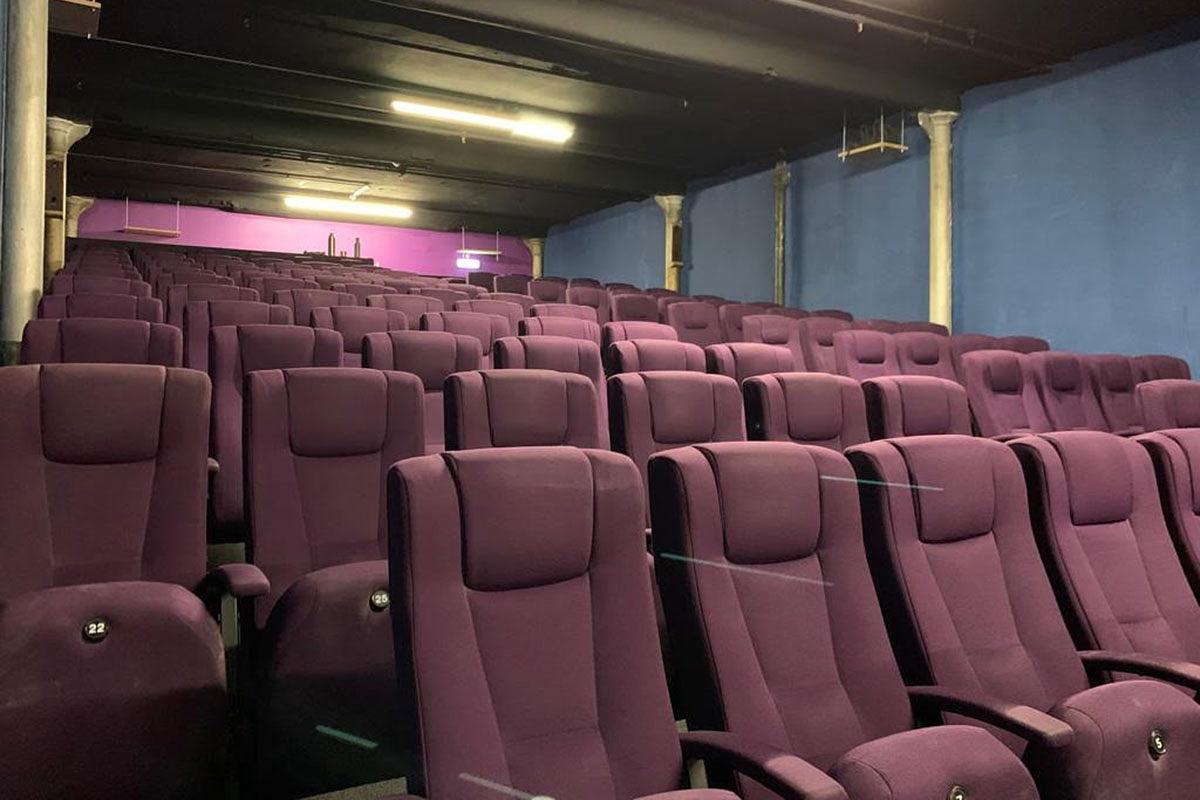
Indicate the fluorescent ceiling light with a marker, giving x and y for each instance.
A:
(466, 262)
(356, 208)
(540, 128)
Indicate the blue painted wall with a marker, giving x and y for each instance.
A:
(1077, 205)
(729, 238)
(624, 243)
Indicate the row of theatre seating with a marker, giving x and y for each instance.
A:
(910, 618)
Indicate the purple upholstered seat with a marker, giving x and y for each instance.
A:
(779, 634)
(1022, 344)
(106, 306)
(511, 284)
(816, 341)
(1176, 456)
(179, 296)
(268, 285)
(110, 341)
(430, 355)
(655, 355)
(659, 291)
(619, 287)
(545, 290)
(696, 322)
(778, 330)
(560, 354)
(921, 326)
(1161, 367)
(865, 353)
(482, 278)
(592, 297)
(791, 313)
(1066, 389)
(447, 295)
(731, 315)
(1115, 383)
(513, 312)
(67, 283)
(532, 559)
(586, 282)
(624, 331)
(568, 310)
(570, 327)
(303, 301)
(411, 305)
(1169, 403)
(201, 316)
(319, 443)
(1003, 393)
(962, 343)
(522, 407)
(712, 299)
(523, 300)
(806, 408)
(354, 323)
(634, 308)
(958, 567)
(833, 313)
(108, 658)
(362, 291)
(487, 328)
(915, 405)
(234, 352)
(877, 324)
(924, 353)
(742, 360)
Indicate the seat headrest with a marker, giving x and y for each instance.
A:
(1003, 372)
(101, 413)
(870, 347)
(1064, 372)
(1099, 476)
(695, 316)
(953, 485)
(814, 406)
(1188, 440)
(279, 346)
(931, 405)
(683, 405)
(231, 312)
(335, 411)
(1116, 374)
(822, 329)
(538, 406)
(433, 355)
(560, 353)
(772, 329)
(532, 532)
(923, 348)
(355, 322)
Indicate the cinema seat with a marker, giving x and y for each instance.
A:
(915, 405)
(523, 300)
(486, 328)
(815, 335)
(1169, 403)
(448, 296)
(1003, 394)
(568, 310)
(303, 301)
(865, 353)
(731, 315)
(354, 323)
(655, 355)
(546, 290)
(742, 360)
(179, 296)
(569, 327)
(520, 408)
(634, 308)
(201, 316)
(104, 341)
(924, 353)
(513, 312)
(1161, 367)
(806, 408)
(105, 306)
(361, 291)
(962, 343)
(1067, 392)
(511, 284)
(411, 305)
(1022, 344)
(696, 322)
(1115, 382)
(67, 283)
(590, 296)
(560, 354)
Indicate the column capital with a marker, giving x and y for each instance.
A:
(936, 120)
(76, 205)
(61, 134)
(536, 244)
(671, 205)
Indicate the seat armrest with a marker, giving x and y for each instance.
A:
(238, 580)
(1032, 725)
(1180, 673)
(785, 774)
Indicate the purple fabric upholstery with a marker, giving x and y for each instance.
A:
(482, 278)
(107, 306)
(65, 283)
(1161, 367)
(792, 313)
(511, 284)
(634, 308)
(816, 341)
(924, 353)
(112, 341)
(786, 644)
(234, 352)
(570, 327)
(778, 330)
(179, 296)
(430, 355)
(1022, 344)
(915, 405)
(354, 323)
(1067, 392)
(592, 297)
(487, 328)
(544, 290)
(618, 287)
(881, 325)
(666, 301)
(711, 299)
(411, 305)
(1176, 457)
(958, 567)
(833, 313)
(574, 282)
(201, 316)
(742, 360)
(268, 285)
(658, 291)
(924, 327)
(1003, 393)
(448, 296)
(655, 355)
(962, 343)
(1115, 382)
(362, 291)
(319, 443)
(303, 301)
(513, 312)
(695, 322)
(1169, 403)
(522, 407)
(560, 354)
(523, 300)
(865, 353)
(731, 316)
(568, 310)
(806, 408)
(623, 331)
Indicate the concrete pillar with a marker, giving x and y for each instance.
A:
(672, 208)
(537, 248)
(76, 205)
(783, 177)
(22, 168)
(937, 126)
(61, 134)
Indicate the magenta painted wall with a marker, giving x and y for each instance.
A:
(427, 252)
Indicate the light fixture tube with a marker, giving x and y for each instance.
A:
(357, 208)
(527, 127)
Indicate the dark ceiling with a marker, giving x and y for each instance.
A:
(234, 103)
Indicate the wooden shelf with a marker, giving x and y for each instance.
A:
(165, 233)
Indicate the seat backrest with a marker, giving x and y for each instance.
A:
(521, 408)
(792, 313)
(1022, 344)
(1115, 382)
(560, 354)
(411, 305)
(487, 328)
(695, 321)
(1066, 389)
(777, 330)
(1169, 403)
(106, 306)
(547, 291)
(354, 323)
(864, 353)
(655, 355)
(268, 285)
(511, 284)
(481, 278)
(1176, 457)
(1161, 367)
(430, 355)
(620, 287)
(816, 341)
(1096, 510)
(592, 282)
(179, 296)
(362, 291)
(201, 316)
(102, 484)
(915, 405)
(731, 315)
(448, 296)
(658, 291)
(958, 572)
(963, 343)
(564, 310)
(833, 313)
(510, 311)
(66, 283)
(1003, 393)
(634, 308)
(623, 331)
(106, 341)
(319, 443)
(523, 300)
(590, 296)
(877, 324)
(924, 353)
(712, 299)
(922, 326)
(806, 408)
(742, 360)
(303, 301)
(234, 352)
(560, 326)
(794, 597)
